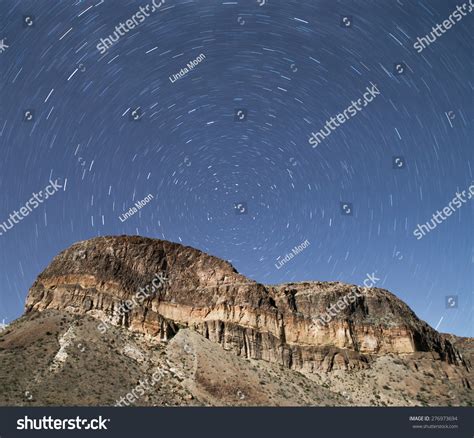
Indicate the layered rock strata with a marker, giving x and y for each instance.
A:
(204, 293)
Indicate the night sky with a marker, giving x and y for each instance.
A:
(224, 149)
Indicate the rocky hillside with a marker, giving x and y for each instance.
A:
(134, 304)
(274, 323)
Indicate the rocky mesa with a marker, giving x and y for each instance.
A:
(277, 324)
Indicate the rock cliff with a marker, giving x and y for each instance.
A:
(102, 276)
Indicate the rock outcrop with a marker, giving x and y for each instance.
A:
(278, 324)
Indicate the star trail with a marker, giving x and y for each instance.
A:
(204, 108)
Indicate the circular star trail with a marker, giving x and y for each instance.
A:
(222, 148)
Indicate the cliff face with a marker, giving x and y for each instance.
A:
(201, 292)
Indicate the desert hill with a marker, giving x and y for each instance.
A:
(111, 311)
